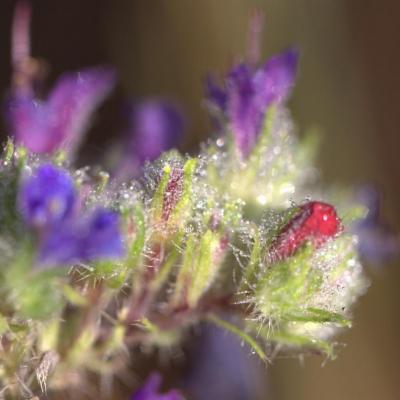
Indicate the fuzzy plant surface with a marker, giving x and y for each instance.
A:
(96, 264)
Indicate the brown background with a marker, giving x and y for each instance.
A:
(349, 86)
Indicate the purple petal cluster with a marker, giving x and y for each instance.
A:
(155, 127)
(93, 237)
(247, 94)
(150, 391)
(48, 202)
(47, 197)
(44, 126)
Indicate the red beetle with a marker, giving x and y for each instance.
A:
(315, 222)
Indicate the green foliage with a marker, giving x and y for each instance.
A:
(307, 296)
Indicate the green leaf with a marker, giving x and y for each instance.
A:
(21, 155)
(203, 270)
(288, 285)
(135, 251)
(302, 342)
(8, 150)
(318, 315)
(253, 266)
(158, 198)
(186, 197)
(165, 269)
(182, 280)
(199, 267)
(40, 297)
(113, 274)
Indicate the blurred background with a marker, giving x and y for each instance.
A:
(348, 87)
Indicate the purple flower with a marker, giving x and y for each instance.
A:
(46, 197)
(92, 237)
(377, 243)
(247, 94)
(44, 126)
(150, 391)
(47, 201)
(155, 127)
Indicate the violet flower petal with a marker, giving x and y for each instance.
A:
(248, 94)
(73, 100)
(94, 237)
(46, 197)
(150, 391)
(45, 126)
(28, 120)
(243, 113)
(273, 82)
(155, 127)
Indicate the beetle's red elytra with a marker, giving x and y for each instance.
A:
(315, 222)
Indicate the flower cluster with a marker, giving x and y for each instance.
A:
(247, 94)
(47, 201)
(94, 267)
